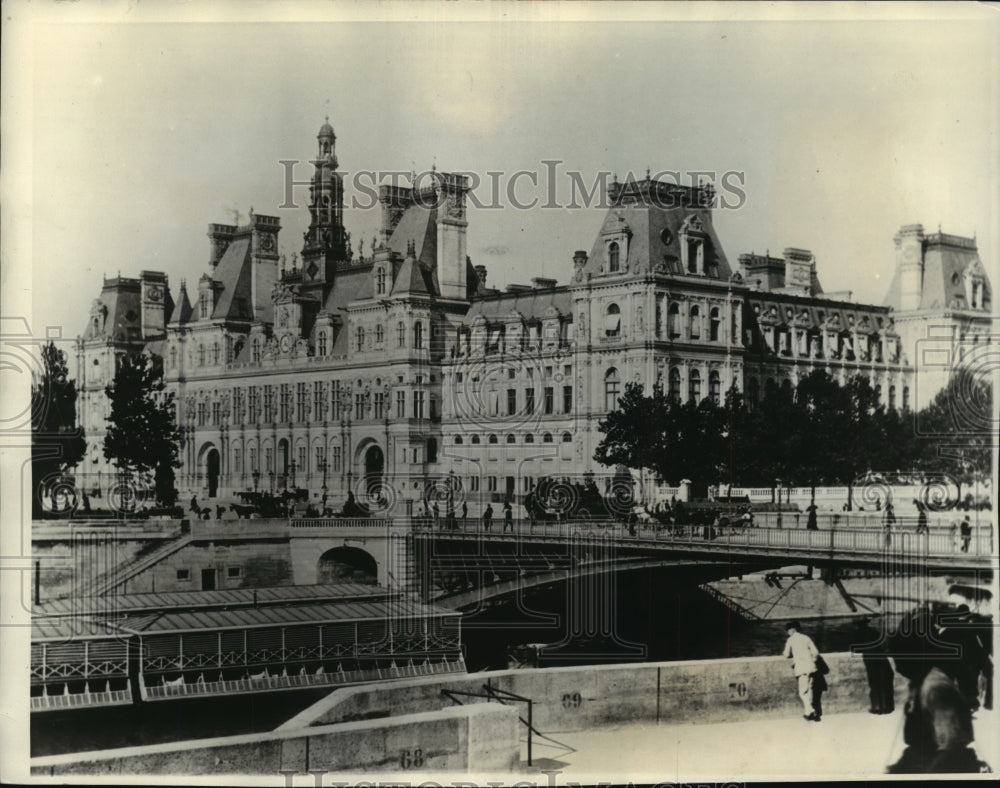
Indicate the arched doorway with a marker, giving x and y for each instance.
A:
(347, 565)
(374, 468)
(212, 471)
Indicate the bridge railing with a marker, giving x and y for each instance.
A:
(938, 542)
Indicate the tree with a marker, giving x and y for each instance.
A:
(57, 442)
(955, 431)
(143, 434)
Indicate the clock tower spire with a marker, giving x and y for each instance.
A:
(325, 240)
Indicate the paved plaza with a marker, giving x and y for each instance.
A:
(841, 746)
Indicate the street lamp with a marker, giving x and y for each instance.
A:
(291, 473)
(271, 474)
(256, 478)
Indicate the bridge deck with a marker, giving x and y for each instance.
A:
(860, 546)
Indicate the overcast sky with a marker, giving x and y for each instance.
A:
(143, 133)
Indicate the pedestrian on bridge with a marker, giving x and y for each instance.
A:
(488, 517)
(803, 652)
(966, 531)
(811, 524)
(508, 517)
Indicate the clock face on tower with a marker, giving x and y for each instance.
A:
(267, 243)
(286, 343)
(154, 293)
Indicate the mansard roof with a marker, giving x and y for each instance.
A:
(418, 225)
(234, 272)
(532, 304)
(947, 259)
(791, 311)
(654, 214)
(118, 312)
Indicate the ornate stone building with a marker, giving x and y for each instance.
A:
(396, 366)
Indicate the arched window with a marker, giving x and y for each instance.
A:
(360, 334)
(400, 334)
(892, 397)
(713, 325)
(612, 387)
(511, 438)
(567, 437)
(612, 321)
(674, 320)
(529, 438)
(379, 334)
(694, 386)
(418, 334)
(695, 321)
(547, 437)
(475, 440)
(714, 386)
(458, 440)
(492, 439)
(878, 395)
(675, 384)
(614, 252)
(753, 393)
(906, 397)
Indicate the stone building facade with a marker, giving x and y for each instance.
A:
(388, 369)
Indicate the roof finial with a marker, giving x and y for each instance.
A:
(647, 173)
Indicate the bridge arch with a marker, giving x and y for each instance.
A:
(346, 564)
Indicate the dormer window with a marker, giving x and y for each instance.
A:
(692, 242)
(418, 335)
(612, 321)
(203, 305)
(321, 344)
(614, 252)
(380, 282)
(360, 338)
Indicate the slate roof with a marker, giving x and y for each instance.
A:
(946, 259)
(234, 271)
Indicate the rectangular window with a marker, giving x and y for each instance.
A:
(237, 461)
(335, 400)
(549, 400)
(302, 467)
(335, 454)
(492, 483)
(234, 571)
(567, 399)
(401, 404)
(269, 459)
(252, 456)
(319, 401)
(301, 401)
(359, 406)
(511, 402)
(380, 409)
(320, 456)
(418, 404)
(183, 574)
(286, 402)
(268, 403)
(216, 412)
(529, 400)
(474, 483)
(202, 414)
(253, 405)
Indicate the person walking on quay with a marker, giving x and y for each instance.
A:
(508, 517)
(953, 536)
(921, 518)
(465, 513)
(811, 524)
(194, 506)
(802, 651)
(488, 517)
(890, 514)
(966, 531)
